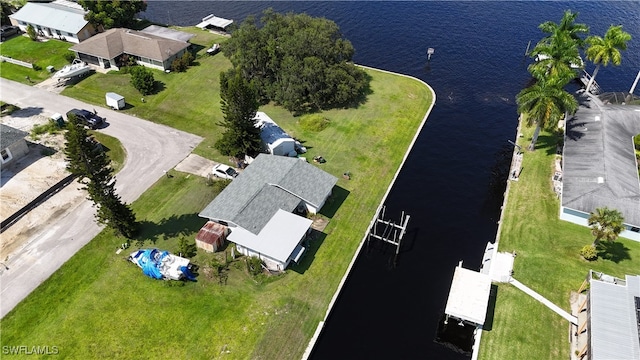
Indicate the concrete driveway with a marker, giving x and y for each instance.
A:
(151, 150)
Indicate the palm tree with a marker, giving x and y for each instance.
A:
(607, 49)
(543, 104)
(605, 224)
(566, 26)
(558, 57)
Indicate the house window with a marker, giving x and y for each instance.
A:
(6, 155)
(70, 34)
(58, 32)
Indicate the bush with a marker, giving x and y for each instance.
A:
(254, 265)
(186, 247)
(48, 128)
(589, 252)
(178, 65)
(31, 31)
(314, 122)
(142, 79)
(69, 56)
(636, 142)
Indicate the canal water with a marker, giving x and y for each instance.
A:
(453, 182)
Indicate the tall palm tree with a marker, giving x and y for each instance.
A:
(566, 26)
(606, 224)
(543, 104)
(558, 57)
(607, 49)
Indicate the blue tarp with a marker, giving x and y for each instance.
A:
(150, 261)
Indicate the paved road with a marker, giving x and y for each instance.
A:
(151, 150)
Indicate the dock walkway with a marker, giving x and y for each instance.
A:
(543, 300)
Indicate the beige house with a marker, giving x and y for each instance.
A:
(111, 48)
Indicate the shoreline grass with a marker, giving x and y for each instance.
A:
(100, 306)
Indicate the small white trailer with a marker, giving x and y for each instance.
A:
(115, 101)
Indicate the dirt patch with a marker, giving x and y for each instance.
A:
(29, 177)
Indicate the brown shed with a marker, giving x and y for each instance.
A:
(211, 236)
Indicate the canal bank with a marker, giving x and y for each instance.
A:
(321, 324)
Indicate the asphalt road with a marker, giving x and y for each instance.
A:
(151, 150)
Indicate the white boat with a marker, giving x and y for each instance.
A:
(78, 67)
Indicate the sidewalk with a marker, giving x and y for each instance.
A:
(572, 319)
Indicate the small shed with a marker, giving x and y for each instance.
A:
(115, 101)
(211, 236)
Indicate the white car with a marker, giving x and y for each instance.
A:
(224, 172)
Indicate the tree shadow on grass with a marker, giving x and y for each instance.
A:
(547, 143)
(333, 203)
(613, 251)
(169, 227)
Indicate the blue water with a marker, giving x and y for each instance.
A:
(453, 181)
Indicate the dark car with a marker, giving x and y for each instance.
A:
(8, 31)
(92, 120)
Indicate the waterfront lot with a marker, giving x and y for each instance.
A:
(100, 306)
(548, 261)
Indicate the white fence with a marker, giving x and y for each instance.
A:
(17, 62)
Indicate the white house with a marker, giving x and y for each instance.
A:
(13, 145)
(260, 207)
(59, 19)
(274, 139)
(599, 165)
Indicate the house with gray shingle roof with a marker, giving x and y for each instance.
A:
(260, 205)
(58, 19)
(600, 167)
(110, 48)
(13, 145)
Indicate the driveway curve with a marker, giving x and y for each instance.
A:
(151, 150)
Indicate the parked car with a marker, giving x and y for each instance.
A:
(224, 172)
(8, 31)
(92, 120)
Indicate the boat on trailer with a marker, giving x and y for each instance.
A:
(77, 68)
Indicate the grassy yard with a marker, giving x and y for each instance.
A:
(100, 306)
(189, 101)
(39, 53)
(548, 261)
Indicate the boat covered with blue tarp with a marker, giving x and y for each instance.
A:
(159, 264)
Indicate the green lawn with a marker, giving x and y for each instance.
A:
(100, 306)
(39, 53)
(547, 261)
(114, 149)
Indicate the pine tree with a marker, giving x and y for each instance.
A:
(90, 163)
(239, 105)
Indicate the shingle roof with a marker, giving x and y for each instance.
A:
(9, 135)
(613, 328)
(599, 147)
(52, 15)
(268, 184)
(114, 42)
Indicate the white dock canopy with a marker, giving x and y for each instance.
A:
(214, 21)
(469, 296)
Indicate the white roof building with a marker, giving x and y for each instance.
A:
(59, 19)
